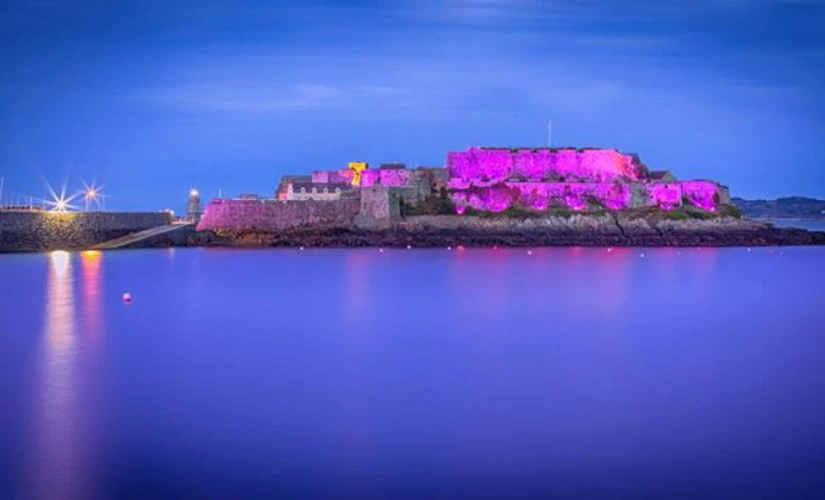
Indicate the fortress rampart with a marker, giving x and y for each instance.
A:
(496, 178)
(274, 215)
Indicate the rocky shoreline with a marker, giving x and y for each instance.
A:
(579, 230)
(592, 230)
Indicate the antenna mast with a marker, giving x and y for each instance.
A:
(549, 133)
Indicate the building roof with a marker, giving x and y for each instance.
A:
(319, 187)
(658, 175)
(392, 166)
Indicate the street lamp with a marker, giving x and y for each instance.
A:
(91, 195)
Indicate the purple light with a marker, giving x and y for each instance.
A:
(495, 179)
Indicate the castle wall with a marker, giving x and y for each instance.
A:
(391, 178)
(332, 177)
(707, 195)
(380, 206)
(41, 231)
(480, 167)
(273, 215)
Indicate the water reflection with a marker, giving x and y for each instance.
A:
(90, 261)
(62, 456)
(614, 269)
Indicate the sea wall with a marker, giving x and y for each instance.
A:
(274, 215)
(41, 231)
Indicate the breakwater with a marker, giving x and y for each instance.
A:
(41, 231)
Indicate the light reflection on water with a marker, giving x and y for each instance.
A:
(64, 447)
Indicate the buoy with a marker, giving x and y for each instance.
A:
(409, 247)
(302, 248)
(127, 297)
(449, 248)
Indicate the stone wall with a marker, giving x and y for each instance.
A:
(496, 179)
(274, 215)
(380, 207)
(707, 195)
(484, 167)
(41, 231)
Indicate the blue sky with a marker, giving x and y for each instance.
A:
(151, 97)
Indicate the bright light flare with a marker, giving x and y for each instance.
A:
(60, 202)
(92, 194)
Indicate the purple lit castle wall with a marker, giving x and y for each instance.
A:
(390, 177)
(332, 176)
(482, 167)
(272, 215)
(666, 195)
(704, 194)
(543, 195)
(369, 178)
(496, 179)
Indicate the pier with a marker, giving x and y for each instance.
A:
(174, 233)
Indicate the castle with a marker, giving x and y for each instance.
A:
(480, 178)
(498, 178)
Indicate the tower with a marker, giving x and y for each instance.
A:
(193, 207)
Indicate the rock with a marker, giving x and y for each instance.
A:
(606, 230)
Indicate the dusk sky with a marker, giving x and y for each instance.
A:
(151, 97)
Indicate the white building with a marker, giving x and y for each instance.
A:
(303, 191)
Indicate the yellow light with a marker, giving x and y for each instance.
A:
(194, 192)
(91, 193)
(357, 167)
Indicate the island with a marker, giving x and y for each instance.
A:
(483, 196)
(493, 196)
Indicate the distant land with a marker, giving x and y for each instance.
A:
(793, 207)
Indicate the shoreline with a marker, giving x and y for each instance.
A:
(440, 231)
(611, 230)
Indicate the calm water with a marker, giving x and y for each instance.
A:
(579, 373)
(811, 225)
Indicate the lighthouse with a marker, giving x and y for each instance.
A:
(193, 207)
